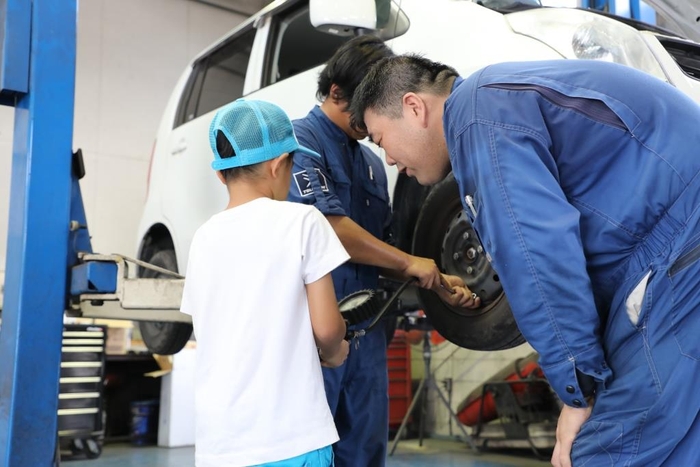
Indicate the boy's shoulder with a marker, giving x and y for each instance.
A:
(262, 213)
(298, 209)
(269, 209)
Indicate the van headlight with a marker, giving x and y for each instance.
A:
(584, 35)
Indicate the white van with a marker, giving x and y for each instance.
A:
(276, 56)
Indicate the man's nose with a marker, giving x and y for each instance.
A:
(389, 160)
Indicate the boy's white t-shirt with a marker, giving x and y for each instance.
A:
(259, 392)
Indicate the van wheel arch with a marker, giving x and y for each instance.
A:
(163, 338)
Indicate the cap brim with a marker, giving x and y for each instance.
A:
(307, 151)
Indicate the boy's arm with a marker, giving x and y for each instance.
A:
(327, 323)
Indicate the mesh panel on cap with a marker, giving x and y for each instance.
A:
(277, 123)
(243, 126)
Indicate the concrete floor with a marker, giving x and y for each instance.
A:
(433, 453)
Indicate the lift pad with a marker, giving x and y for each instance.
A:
(101, 288)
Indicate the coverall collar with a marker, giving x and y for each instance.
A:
(329, 128)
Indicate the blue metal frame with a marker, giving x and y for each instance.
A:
(38, 236)
(630, 8)
(14, 50)
(93, 277)
(635, 9)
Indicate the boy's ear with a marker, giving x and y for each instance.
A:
(221, 177)
(279, 163)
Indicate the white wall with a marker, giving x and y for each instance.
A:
(130, 54)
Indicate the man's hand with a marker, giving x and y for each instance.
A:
(425, 270)
(453, 291)
(570, 421)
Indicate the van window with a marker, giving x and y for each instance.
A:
(189, 104)
(217, 79)
(296, 46)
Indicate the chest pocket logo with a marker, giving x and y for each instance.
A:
(304, 185)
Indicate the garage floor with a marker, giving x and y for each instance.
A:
(434, 453)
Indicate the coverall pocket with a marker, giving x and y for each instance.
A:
(597, 444)
(684, 275)
(639, 301)
(592, 108)
(375, 191)
(375, 208)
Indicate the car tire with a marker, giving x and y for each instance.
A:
(443, 232)
(163, 338)
(408, 199)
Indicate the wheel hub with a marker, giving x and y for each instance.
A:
(462, 255)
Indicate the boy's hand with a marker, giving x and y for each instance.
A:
(338, 358)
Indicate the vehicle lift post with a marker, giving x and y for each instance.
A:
(37, 78)
(51, 268)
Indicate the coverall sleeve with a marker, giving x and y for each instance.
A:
(311, 180)
(531, 233)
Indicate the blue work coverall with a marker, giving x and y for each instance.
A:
(350, 180)
(582, 179)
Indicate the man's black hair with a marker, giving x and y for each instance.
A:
(388, 80)
(349, 65)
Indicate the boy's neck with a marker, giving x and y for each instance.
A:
(244, 191)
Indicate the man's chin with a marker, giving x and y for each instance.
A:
(427, 180)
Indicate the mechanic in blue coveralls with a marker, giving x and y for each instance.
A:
(349, 185)
(582, 179)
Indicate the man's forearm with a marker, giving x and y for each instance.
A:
(365, 248)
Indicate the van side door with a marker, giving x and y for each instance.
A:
(192, 193)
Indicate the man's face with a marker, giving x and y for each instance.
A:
(415, 148)
(349, 130)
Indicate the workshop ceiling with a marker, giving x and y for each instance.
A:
(243, 7)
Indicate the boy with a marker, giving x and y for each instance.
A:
(262, 302)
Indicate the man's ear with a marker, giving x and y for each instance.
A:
(221, 177)
(336, 95)
(414, 107)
